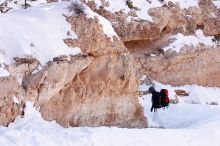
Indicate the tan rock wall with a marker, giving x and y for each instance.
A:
(201, 66)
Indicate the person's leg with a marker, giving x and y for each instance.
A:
(160, 121)
(156, 119)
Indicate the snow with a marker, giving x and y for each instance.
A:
(184, 3)
(117, 5)
(18, 4)
(39, 32)
(3, 72)
(107, 27)
(1, 1)
(192, 112)
(216, 3)
(198, 94)
(142, 5)
(181, 41)
(97, 2)
(15, 99)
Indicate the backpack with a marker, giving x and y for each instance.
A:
(164, 98)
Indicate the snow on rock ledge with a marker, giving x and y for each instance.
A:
(180, 41)
(107, 27)
(184, 4)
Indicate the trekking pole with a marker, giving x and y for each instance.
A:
(25, 4)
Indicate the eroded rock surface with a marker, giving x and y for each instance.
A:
(11, 100)
(103, 94)
(195, 66)
(98, 88)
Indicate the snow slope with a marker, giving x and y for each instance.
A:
(197, 104)
(37, 32)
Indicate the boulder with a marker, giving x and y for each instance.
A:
(98, 88)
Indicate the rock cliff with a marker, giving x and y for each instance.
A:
(97, 87)
(146, 39)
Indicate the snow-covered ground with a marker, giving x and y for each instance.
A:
(185, 124)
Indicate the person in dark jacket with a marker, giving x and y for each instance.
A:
(155, 99)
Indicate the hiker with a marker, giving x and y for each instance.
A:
(155, 99)
(159, 99)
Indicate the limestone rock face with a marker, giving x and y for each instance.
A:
(11, 100)
(199, 66)
(22, 67)
(103, 94)
(144, 38)
(212, 26)
(43, 85)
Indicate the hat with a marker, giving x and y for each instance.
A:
(151, 89)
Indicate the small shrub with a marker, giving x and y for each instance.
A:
(77, 8)
(149, 1)
(130, 5)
